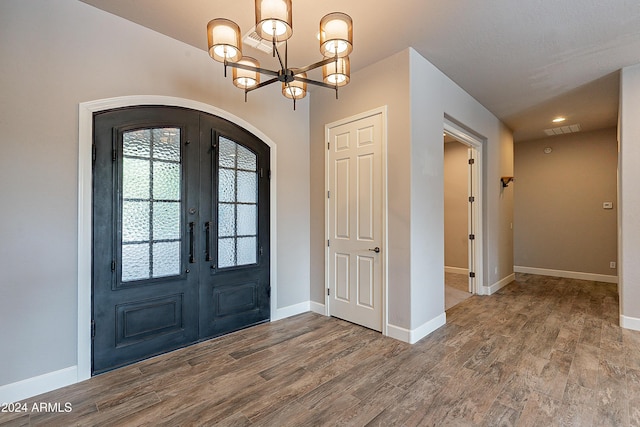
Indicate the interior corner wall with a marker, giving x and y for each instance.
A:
(383, 83)
(560, 223)
(434, 95)
(418, 96)
(629, 198)
(456, 205)
(78, 54)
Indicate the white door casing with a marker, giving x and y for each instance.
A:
(471, 226)
(476, 221)
(355, 200)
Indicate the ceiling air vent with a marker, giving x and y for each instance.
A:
(253, 39)
(563, 129)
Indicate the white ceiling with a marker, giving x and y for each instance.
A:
(527, 61)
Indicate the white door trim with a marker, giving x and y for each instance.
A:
(85, 142)
(475, 143)
(384, 255)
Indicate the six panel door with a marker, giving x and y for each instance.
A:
(355, 221)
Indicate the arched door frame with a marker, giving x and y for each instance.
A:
(85, 154)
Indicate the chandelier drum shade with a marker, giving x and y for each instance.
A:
(296, 89)
(336, 35)
(274, 24)
(245, 79)
(273, 19)
(228, 42)
(337, 72)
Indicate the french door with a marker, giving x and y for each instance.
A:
(180, 231)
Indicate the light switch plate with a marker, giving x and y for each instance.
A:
(607, 205)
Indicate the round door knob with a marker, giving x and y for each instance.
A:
(376, 250)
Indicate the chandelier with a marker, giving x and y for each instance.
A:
(274, 24)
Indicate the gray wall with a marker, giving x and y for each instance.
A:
(560, 223)
(456, 205)
(55, 55)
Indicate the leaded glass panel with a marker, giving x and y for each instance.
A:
(237, 205)
(151, 204)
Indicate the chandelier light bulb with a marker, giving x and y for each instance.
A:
(226, 52)
(274, 28)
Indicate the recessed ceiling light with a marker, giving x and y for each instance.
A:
(559, 119)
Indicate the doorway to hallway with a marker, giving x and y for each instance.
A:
(463, 213)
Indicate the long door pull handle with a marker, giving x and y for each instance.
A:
(207, 238)
(192, 258)
(376, 250)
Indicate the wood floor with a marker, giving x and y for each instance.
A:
(456, 289)
(541, 352)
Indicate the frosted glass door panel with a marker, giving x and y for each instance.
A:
(151, 204)
(237, 205)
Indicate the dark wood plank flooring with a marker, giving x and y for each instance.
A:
(540, 352)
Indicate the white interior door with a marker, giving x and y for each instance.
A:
(355, 206)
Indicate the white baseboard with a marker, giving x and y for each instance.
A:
(415, 335)
(501, 284)
(292, 310)
(34, 386)
(456, 270)
(316, 307)
(630, 322)
(567, 274)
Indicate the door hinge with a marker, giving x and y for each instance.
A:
(261, 173)
(328, 145)
(93, 329)
(472, 161)
(472, 274)
(328, 244)
(114, 155)
(93, 153)
(328, 291)
(328, 194)
(472, 236)
(261, 251)
(269, 174)
(113, 265)
(472, 199)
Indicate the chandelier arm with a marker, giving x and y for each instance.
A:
(262, 84)
(275, 48)
(251, 68)
(313, 66)
(313, 82)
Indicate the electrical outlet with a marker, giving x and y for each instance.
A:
(612, 264)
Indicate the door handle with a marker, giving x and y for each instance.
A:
(376, 250)
(207, 240)
(191, 244)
